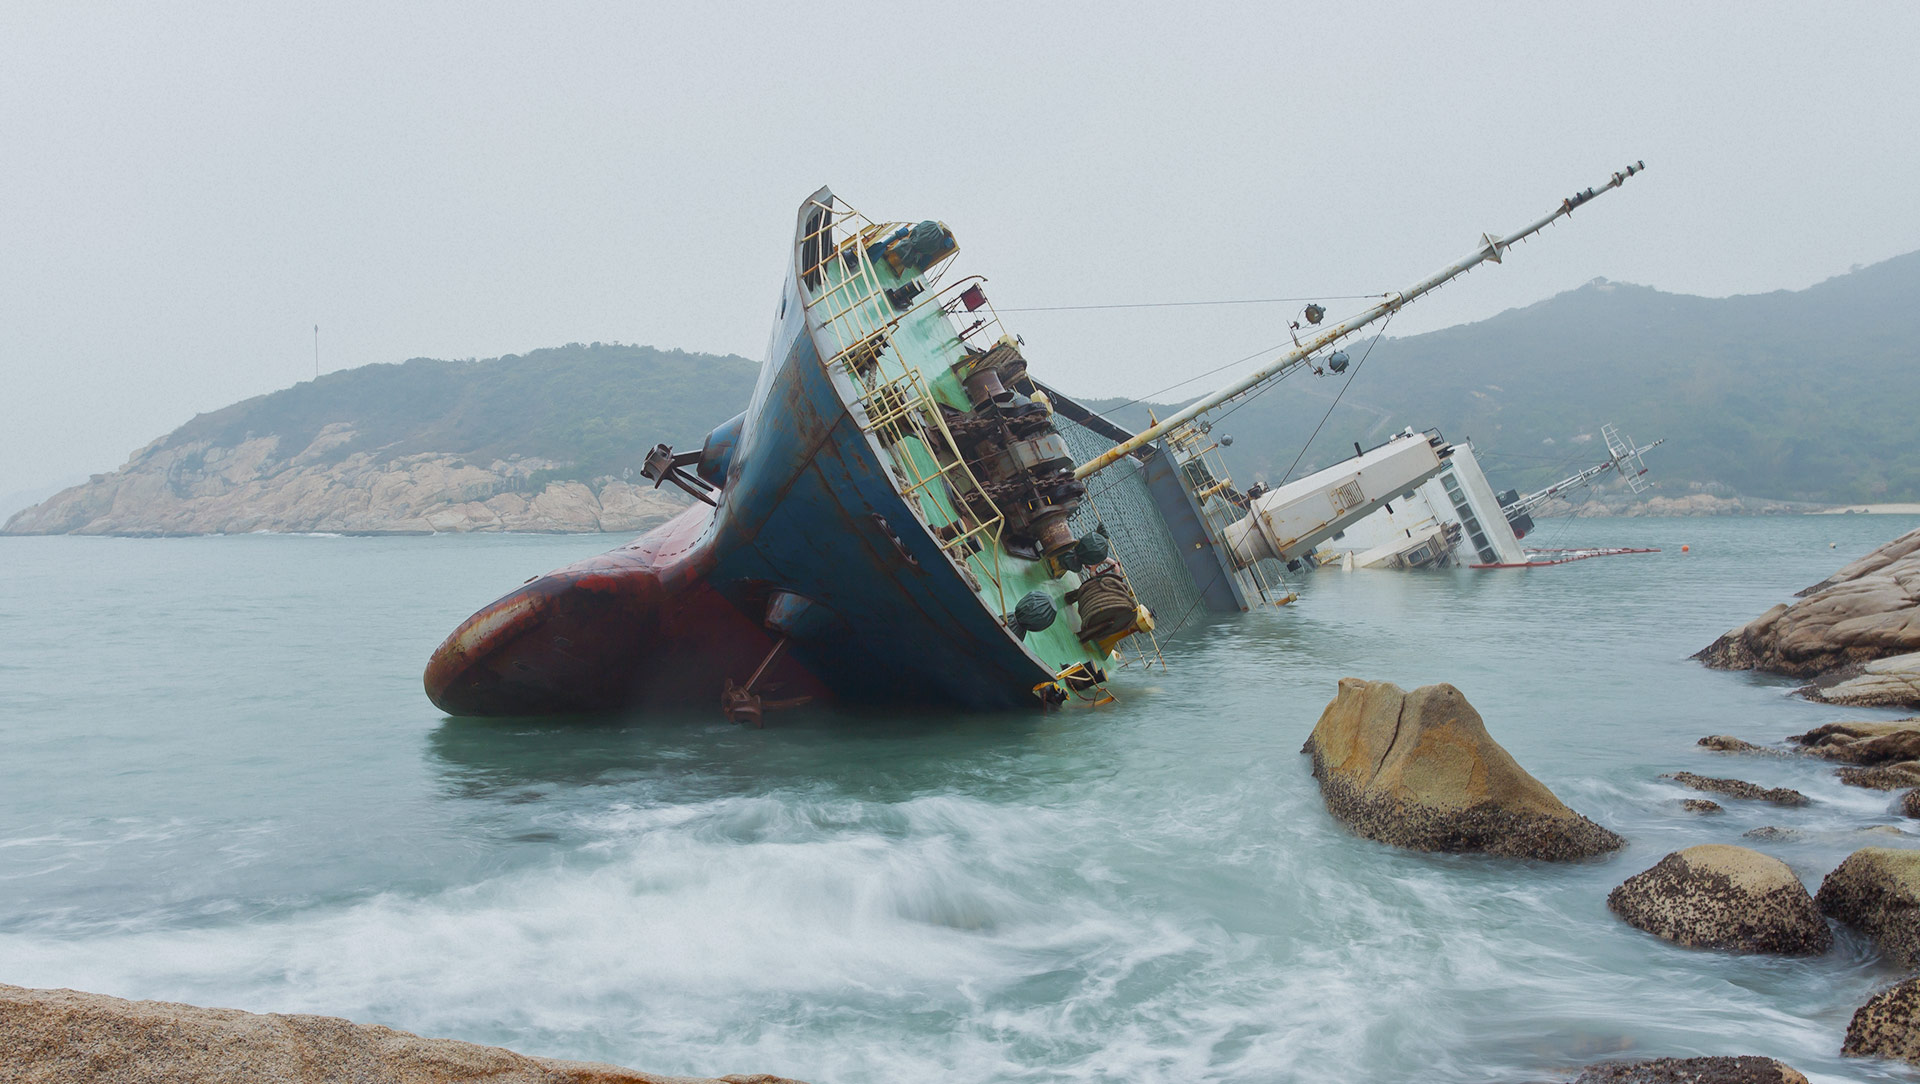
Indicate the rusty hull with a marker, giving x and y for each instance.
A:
(637, 627)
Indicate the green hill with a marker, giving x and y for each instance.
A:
(1809, 395)
(1805, 395)
(598, 407)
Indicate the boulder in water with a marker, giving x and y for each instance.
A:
(1726, 743)
(1724, 897)
(1738, 788)
(1745, 1069)
(1877, 891)
(56, 1036)
(1418, 770)
(1887, 1026)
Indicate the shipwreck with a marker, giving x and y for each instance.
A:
(902, 515)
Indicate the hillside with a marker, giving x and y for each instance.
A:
(1799, 396)
(1807, 395)
(542, 442)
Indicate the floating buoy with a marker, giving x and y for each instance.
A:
(1831, 545)
(1684, 549)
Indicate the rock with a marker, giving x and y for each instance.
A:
(1887, 1026)
(1771, 832)
(199, 487)
(1745, 1069)
(1864, 743)
(1881, 777)
(56, 1036)
(1877, 891)
(1700, 805)
(1910, 804)
(1893, 681)
(1418, 770)
(1735, 788)
(1857, 633)
(1722, 743)
(1724, 897)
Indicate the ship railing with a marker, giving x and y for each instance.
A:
(849, 296)
(850, 304)
(905, 417)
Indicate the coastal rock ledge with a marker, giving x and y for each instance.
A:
(61, 1036)
(1418, 770)
(1855, 635)
(1745, 1069)
(200, 487)
(1724, 897)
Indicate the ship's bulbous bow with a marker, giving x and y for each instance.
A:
(635, 627)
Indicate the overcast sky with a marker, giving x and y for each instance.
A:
(186, 190)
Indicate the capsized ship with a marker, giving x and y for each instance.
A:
(888, 521)
(897, 517)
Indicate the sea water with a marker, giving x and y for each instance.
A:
(220, 783)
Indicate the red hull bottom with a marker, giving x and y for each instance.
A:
(639, 626)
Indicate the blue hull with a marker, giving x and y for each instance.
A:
(805, 509)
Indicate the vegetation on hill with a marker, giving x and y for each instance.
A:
(1806, 395)
(597, 407)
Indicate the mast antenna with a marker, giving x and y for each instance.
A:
(1623, 455)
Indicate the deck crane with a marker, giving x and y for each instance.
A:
(1492, 249)
(1622, 455)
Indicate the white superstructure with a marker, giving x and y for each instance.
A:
(1452, 518)
(1458, 519)
(1287, 522)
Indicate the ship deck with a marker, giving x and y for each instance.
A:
(916, 364)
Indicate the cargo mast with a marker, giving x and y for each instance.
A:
(1491, 249)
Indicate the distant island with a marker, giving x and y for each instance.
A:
(1788, 401)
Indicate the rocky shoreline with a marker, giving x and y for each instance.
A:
(1418, 770)
(1854, 636)
(200, 488)
(63, 1036)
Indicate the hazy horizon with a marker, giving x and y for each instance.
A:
(194, 190)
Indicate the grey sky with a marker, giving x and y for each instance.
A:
(185, 190)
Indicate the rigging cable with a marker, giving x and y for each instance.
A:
(1107, 413)
(1197, 599)
(1197, 376)
(1336, 398)
(1187, 304)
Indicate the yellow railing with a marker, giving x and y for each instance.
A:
(849, 304)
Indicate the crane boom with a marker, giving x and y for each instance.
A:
(1491, 249)
(1622, 459)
